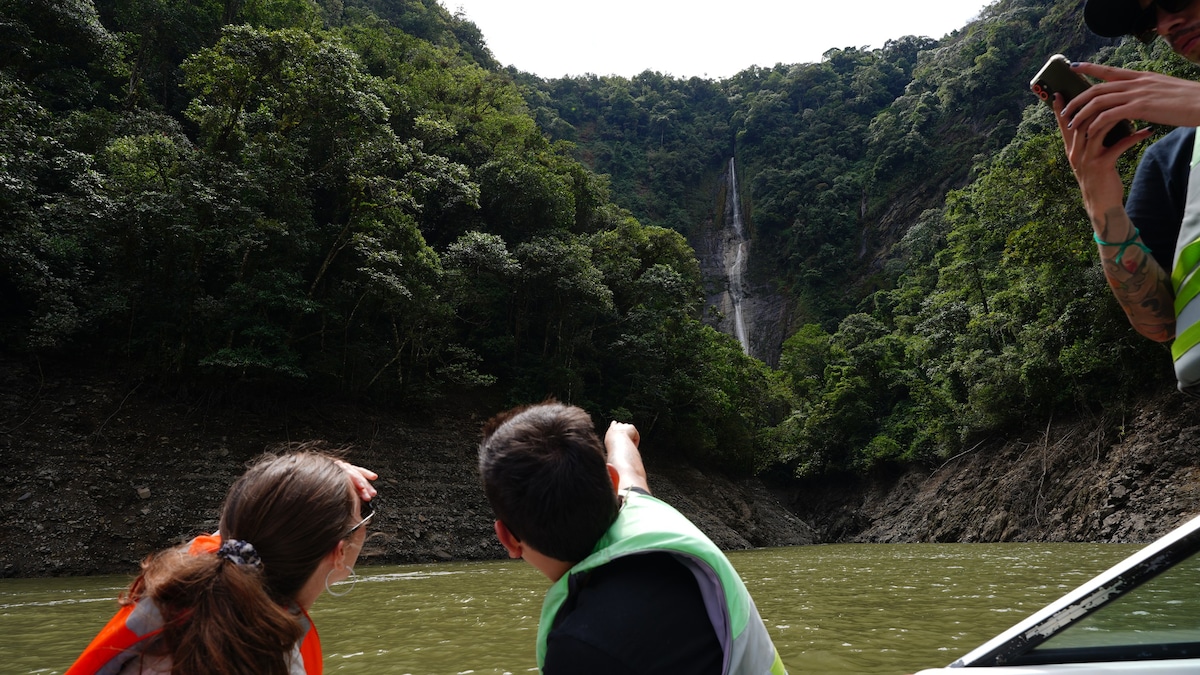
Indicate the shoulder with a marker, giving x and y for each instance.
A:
(1178, 139)
(1158, 194)
(625, 612)
(1165, 165)
(633, 574)
(148, 664)
(1170, 150)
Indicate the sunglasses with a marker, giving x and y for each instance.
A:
(1147, 21)
(367, 511)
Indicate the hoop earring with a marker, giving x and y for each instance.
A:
(353, 583)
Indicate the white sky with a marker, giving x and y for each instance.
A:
(685, 38)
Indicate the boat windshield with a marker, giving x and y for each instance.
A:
(1160, 619)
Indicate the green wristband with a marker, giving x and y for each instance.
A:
(1132, 241)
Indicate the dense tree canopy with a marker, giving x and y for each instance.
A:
(343, 197)
(352, 197)
(914, 204)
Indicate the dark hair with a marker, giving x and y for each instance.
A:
(220, 617)
(544, 472)
(294, 508)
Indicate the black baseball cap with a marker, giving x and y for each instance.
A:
(1114, 18)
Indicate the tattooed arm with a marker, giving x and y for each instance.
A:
(1140, 284)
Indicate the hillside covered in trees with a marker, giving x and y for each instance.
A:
(914, 205)
(354, 199)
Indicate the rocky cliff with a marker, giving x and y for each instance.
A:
(1080, 479)
(100, 470)
(725, 250)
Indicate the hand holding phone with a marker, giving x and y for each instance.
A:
(1056, 77)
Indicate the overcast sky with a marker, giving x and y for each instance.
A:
(714, 40)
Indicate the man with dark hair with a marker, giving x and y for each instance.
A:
(1152, 232)
(637, 588)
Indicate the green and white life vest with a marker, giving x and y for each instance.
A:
(649, 525)
(1185, 280)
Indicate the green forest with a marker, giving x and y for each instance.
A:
(354, 199)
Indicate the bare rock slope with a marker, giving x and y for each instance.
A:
(100, 471)
(1083, 479)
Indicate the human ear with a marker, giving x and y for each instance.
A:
(508, 540)
(337, 556)
(615, 477)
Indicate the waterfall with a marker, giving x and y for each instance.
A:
(735, 269)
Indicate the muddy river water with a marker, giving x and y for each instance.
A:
(854, 608)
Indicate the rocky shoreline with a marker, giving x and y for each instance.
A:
(1086, 479)
(99, 471)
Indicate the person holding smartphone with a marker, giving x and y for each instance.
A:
(1138, 238)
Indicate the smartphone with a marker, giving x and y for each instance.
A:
(1056, 77)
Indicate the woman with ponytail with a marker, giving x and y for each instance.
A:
(237, 601)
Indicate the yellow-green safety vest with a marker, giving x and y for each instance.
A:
(649, 525)
(1186, 282)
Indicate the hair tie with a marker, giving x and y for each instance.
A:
(239, 552)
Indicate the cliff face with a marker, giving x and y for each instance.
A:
(1085, 479)
(100, 471)
(751, 311)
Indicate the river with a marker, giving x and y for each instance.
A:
(852, 608)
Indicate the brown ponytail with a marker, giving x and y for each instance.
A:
(218, 616)
(221, 617)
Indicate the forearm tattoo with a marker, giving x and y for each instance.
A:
(1140, 284)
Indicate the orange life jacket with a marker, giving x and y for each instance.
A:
(129, 632)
